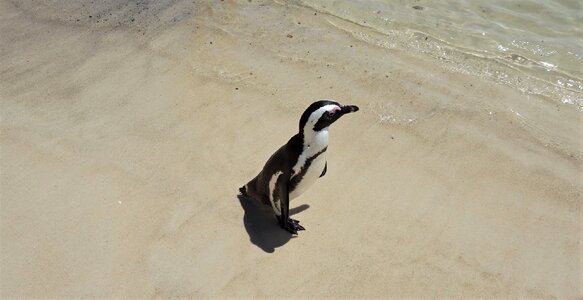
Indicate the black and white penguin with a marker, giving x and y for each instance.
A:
(293, 168)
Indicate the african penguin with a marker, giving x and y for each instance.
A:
(293, 168)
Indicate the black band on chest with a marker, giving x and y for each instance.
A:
(293, 183)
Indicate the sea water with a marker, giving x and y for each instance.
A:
(531, 45)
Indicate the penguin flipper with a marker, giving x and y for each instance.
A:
(325, 169)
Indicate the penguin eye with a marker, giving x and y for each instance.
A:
(330, 113)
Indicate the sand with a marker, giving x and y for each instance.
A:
(127, 129)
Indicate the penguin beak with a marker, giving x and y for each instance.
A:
(348, 109)
(334, 115)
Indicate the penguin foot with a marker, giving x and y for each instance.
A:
(293, 226)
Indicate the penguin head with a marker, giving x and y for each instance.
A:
(321, 114)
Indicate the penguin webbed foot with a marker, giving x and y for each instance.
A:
(293, 226)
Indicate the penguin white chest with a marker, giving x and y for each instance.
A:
(309, 178)
(311, 163)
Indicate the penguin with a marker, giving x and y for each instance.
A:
(296, 166)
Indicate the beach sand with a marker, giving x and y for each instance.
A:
(127, 129)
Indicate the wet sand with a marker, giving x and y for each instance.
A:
(126, 130)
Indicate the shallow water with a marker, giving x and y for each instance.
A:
(530, 45)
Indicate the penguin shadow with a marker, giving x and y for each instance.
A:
(262, 226)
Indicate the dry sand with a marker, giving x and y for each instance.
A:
(126, 130)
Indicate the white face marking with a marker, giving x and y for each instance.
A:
(317, 114)
(276, 205)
